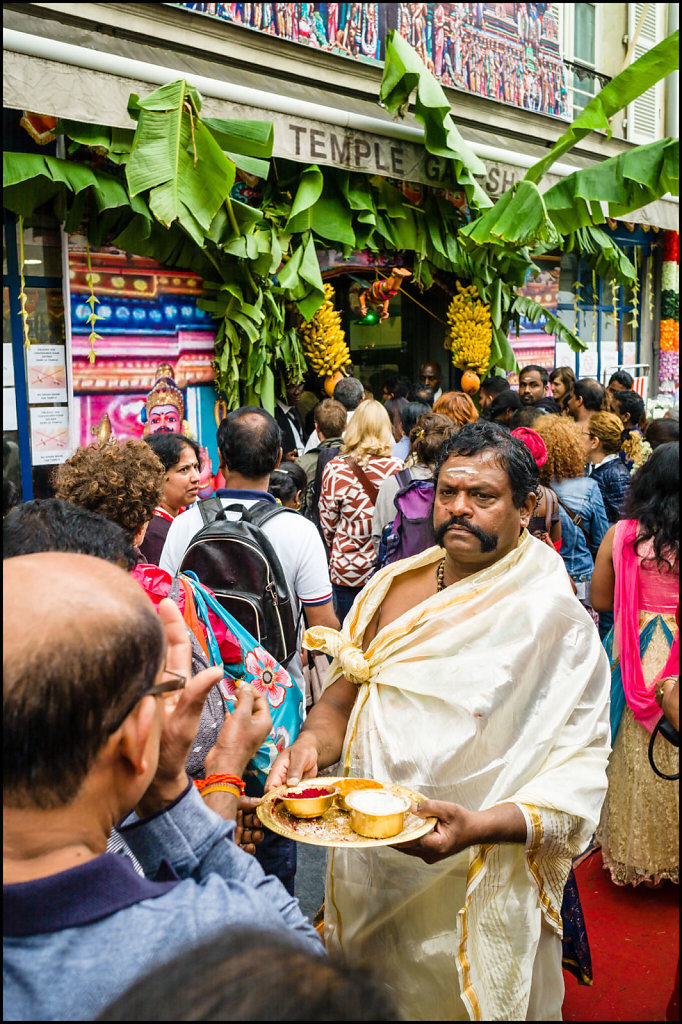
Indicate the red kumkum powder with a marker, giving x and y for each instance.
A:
(307, 794)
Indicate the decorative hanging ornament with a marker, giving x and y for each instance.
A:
(22, 287)
(379, 294)
(92, 301)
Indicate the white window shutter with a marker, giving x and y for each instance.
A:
(645, 115)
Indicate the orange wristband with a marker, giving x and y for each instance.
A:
(212, 780)
(221, 787)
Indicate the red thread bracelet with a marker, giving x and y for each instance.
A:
(232, 780)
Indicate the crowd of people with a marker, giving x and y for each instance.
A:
(476, 599)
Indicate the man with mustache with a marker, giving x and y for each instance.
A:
(471, 674)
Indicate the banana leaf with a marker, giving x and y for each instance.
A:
(301, 279)
(626, 182)
(650, 68)
(519, 218)
(603, 254)
(178, 160)
(31, 179)
(533, 311)
(246, 138)
(501, 352)
(403, 73)
(310, 186)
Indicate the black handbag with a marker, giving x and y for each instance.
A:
(669, 733)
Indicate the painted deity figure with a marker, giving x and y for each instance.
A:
(164, 413)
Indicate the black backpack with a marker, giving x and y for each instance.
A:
(238, 563)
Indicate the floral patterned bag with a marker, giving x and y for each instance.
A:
(257, 667)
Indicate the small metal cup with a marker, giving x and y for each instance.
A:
(376, 826)
(310, 806)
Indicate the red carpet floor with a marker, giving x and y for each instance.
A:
(634, 943)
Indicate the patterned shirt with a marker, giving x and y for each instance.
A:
(346, 512)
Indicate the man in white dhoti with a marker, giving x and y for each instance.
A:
(472, 674)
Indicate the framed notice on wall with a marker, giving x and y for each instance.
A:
(46, 372)
(49, 435)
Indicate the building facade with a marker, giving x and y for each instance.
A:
(515, 75)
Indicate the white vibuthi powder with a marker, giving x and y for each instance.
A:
(371, 801)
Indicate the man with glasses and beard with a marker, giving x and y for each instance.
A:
(471, 674)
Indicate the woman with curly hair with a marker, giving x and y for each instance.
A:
(121, 480)
(637, 576)
(581, 508)
(350, 485)
(602, 435)
(458, 406)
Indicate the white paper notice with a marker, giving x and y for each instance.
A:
(9, 409)
(46, 371)
(49, 436)
(7, 365)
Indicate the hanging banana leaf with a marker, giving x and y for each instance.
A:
(650, 68)
(602, 253)
(626, 182)
(31, 179)
(177, 160)
(403, 73)
(301, 279)
(518, 218)
(310, 186)
(533, 311)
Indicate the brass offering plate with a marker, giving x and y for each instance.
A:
(333, 827)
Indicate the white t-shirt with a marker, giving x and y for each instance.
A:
(297, 544)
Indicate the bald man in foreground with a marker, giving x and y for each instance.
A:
(99, 716)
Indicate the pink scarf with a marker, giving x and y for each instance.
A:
(626, 626)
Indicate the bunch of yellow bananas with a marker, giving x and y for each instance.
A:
(323, 338)
(470, 333)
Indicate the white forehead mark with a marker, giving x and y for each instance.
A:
(460, 469)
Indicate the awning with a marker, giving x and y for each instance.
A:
(81, 83)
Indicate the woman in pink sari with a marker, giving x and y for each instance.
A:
(637, 575)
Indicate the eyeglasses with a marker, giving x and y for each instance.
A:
(167, 685)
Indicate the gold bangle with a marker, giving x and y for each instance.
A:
(221, 787)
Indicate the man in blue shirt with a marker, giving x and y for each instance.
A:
(100, 713)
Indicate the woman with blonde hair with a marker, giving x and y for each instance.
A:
(458, 406)
(350, 485)
(581, 508)
(602, 438)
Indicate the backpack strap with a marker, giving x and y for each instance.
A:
(575, 518)
(190, 615)
(370, 489)
(404, 477)
(262, 512)
(211, 509)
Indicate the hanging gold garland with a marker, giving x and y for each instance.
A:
(614, 299)
(22, 287)
(634, 321)
(576, 299)
(595, 301)
(650, 287)
(93, 318)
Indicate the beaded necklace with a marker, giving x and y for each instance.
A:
(440, 577)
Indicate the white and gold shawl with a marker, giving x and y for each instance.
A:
(494, 690)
